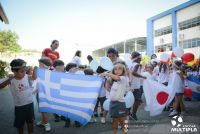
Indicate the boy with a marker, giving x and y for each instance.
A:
(22, 95)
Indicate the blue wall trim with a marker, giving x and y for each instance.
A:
(174, 30)
(150, 46)
(150, 43)
(179, 7)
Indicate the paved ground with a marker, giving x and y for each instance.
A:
(145, 125)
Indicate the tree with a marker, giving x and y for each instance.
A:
(9, 42)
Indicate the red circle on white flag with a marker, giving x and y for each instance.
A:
(162, 97)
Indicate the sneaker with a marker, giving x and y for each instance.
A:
(47, 127)
(173, 113)
(39, 123)
(126, 124)
(103, 120)
(133, 117)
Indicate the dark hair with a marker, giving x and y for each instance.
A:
(112, 50)
(78, 52)
(88, 71)
(100, 70)
(70, 66)
(58, 63)
(89, 57)
(153, 55)
(46, 61)
(82, 66)
(135, 54)
(54, 41)
(164, 66)
(16, 64)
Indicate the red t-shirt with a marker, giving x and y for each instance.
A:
(53, 55)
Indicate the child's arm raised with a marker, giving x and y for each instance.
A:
(114, 77)
(134, 72)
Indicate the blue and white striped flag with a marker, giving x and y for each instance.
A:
(71, 95)
(193, 82)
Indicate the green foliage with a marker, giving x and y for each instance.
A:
(8, 42)
(3, 66)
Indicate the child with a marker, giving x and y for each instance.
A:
(179, 88)
(149, 69)
(135, 79)
(163, 75)
(44, 63)
(101, 98)
(22, 95)
(58, 66)
(118, 89)
(71, 68)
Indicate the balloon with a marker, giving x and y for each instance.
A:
(106, 63)
(145, 60)
(164, 58)
(106, 105)
(178, 52)
(129, 99)
(94, 65)
(127, 59)
(191, 63)
(187, 57)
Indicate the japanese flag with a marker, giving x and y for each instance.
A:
(158, 95)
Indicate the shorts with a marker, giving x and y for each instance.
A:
(117, 109)
(179, 94)
(137, 94)
(23, 114)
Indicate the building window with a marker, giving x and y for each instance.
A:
(163, 48)
(163, 31)
(189, 23)
(191, 43)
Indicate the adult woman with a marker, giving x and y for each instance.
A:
(51, 52)
(77, 58)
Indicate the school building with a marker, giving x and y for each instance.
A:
(179, 26)
(123, 47)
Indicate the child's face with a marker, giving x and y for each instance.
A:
(118, 70)
(60, 68)
(112, 56)
(148, 69)
(20, 73)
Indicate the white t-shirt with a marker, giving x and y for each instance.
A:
(135, 81)
(76, 60)
(102, 92)
(118, 89)
(21, 91)
(179, 85)
(163, 76)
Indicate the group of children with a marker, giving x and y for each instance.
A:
(116, 84)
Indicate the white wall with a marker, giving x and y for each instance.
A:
(188, 13)
(162, 22)
(166, 39)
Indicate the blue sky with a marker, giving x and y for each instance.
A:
(80, 24)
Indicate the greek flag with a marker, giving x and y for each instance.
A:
(71, 95)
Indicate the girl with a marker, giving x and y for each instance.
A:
(163, 75)
(177, 72)
(22, 95)
(118, 89)
(77, 58)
